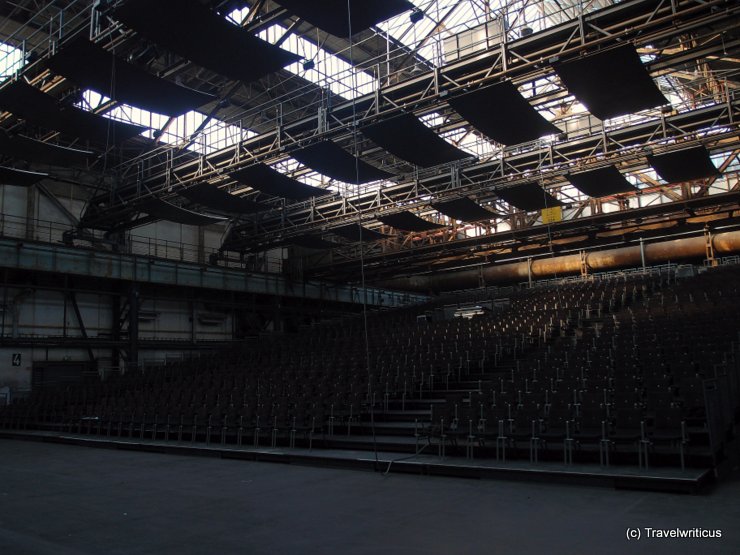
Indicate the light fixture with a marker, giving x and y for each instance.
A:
(416, 16)
(308, 65)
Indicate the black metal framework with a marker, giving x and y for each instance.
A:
(292, 121)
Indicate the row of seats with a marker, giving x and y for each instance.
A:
(549, 368)
(635, 377)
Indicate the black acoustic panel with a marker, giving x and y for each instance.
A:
(330, 159)
(164, 210)
(92, 67)
(20, 178)
(356, 233)
(601, 182)
(684, 165)
(611, 83)
(409, 139)
(25, 148)
(40, 109)
(528, 196)
(407, 221)
(272, 182)
(463, 209)
(211, 196)
(334, 16)
(193, 31)
(504, 115)
(311, 242)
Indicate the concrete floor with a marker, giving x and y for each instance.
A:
(61, 500)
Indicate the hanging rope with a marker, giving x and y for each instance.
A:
(355, 141)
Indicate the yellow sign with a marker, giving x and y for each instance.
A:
(550, 215)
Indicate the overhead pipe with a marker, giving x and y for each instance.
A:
(598, 261)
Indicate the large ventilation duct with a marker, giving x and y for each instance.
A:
(599, 261)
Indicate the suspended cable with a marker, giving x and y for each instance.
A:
(355, 141)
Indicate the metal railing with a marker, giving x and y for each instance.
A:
(657, 270)
(39, 37)
(47, 231)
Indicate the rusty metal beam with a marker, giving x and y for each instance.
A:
(561, 266)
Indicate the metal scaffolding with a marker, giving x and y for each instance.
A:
(414, 66)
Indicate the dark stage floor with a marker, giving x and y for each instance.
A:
(60, 499)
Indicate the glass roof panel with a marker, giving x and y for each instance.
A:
(11, 60)
(216, 135)
(319, 66)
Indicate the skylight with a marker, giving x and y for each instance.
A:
(454, 28)
(217, 135)
(11, 60)
(323, 68)
(238, 15)
(461, 138)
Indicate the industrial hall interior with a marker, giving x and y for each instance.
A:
(369, 276)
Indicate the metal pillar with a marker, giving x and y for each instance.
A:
(30, 213)
(116, 322)
(64, 311)
(709, 248)
(584, 264)
(133, 326)
(5, 300)
(191, 309)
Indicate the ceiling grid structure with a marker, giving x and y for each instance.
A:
(498, 86)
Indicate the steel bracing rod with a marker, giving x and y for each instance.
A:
(73, 299)
(438, 26)
(58, 204)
